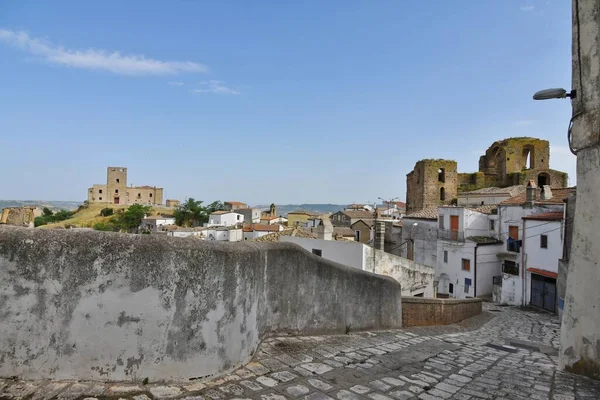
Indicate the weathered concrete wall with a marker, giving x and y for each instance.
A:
(417, 311)
(580, 330)
(93, 305)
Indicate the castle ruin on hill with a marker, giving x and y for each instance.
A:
(508, 162)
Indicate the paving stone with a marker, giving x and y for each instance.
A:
(50, 390)
(289, 360)
(427, 396)
(272, 396)
(266, 381)
(416, 389)
(461, 396)
(322, 386)
(438, 394)
(333, 363)
(254, 386)
(393, 381)
(317, 368)
(460, 378)
(379, 385)
(347, 395)
(415, 382)
(378, 396)
(77, 390)
(296, 391)
(192, 398)
(124, 389)
(303, 372)
(141, 397)
(257, 368)
(232, 389)
(165, 392)
(317, 396)
(360, 389)
(401, 394)
(284, 376)
(194, 387)
(245, 373)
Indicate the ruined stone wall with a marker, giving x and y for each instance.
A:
(20, 216)
(109, 306)
(425, 183)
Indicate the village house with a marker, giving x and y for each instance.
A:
(234, 205)
(255, 231)
(393, 209)
(266, 220)
(298, 218)
(251, 215)
(532, 227)
(156, 223)
(343, 233)
(348, 217)
(419, 236)
(363, 230)
(225, 218)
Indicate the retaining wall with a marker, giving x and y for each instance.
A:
(418, 311)
(109, 306)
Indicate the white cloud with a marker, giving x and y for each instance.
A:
(176, 83)
(99, 60)
(216, 87)
(524, 122)
(527, 8)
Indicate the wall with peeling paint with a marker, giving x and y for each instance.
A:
(109, 306)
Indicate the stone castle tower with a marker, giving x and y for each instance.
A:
(115, 191)
(508, 162)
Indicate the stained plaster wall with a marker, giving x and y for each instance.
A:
(109, 306)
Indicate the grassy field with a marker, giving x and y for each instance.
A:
(87, 217)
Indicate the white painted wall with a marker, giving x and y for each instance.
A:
(478, 200)
(156, 224)
(513, 215)
(537, 257)
(425, 240)
(511, 290)
(343, 252)
(229, 219)
(488, 266)
(472, 223)
(453, 268)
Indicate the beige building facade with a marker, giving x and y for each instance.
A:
(116, 191)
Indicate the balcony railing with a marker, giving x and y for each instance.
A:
(454, 236)
(497, 280)
(513, 245)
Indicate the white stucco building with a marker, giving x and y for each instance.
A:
(467, 248)
(225, 218)
(156, 223)
(529, 271)
(415, 279)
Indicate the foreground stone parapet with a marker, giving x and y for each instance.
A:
(106, 306)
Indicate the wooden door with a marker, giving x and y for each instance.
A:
(513, 232)
(454, 226)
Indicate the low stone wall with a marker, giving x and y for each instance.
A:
(418, 311)
(109, 306)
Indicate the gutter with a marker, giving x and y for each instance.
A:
(523, 299)
(475, 272)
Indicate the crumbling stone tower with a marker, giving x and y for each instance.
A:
(431, 183)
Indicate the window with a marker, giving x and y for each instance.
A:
(357, 236)
(116, 190)
(139, 195)
(442, 194)
(418, 295)
(492, 224)
(451, 288)
(441, 222)
(544, 241)
(510, 267)
(238, 217)
(100, 198)
(467, 284)
(466, 264)
(445, 256)
(117, 180)
(317, 252)
(100, 191)
(150, 194)
(442, 175)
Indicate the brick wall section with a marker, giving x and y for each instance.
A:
(418, 311)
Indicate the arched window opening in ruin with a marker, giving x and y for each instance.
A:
(441, 175)
(543, 179)
(528, 157)
(442, 194)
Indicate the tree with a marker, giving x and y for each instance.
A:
(104, 226)
(48, 217)
(190, 213)
(46, 212)
(215, 206)
(107, 212)
(131, 218)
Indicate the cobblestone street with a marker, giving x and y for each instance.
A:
(505, 353)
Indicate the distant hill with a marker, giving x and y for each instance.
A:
(53, 205)
(283, 209)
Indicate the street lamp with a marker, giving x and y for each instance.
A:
(556, 93)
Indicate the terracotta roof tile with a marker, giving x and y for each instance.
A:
(343, 230)
(426, 213)
(510, 190)
(558, 196)
(547, 216)
(358, 214)
(274, 237)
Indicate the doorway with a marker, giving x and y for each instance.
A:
(543, 292)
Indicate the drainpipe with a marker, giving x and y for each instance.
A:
(475, 272)
(522, 249)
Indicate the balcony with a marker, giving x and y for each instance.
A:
(453, 236)
(513, 245)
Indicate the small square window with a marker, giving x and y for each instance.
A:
(117, 180)
(544, 241)
(100, 198)
(466, 264)
(116, 190)
(445, 256)
(100, 191)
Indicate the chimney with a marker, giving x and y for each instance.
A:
(531, 193)
(325, 230)
(546, 192)
(379, 235)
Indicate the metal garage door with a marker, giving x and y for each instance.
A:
(543, 292)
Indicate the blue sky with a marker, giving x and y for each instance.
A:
(271, 101)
